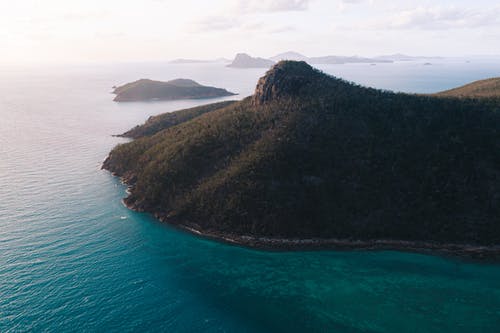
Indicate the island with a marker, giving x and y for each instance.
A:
(147, 90)
(345, 60)
(243, 60)
(311, 161)
(404, 57)
(330, 59)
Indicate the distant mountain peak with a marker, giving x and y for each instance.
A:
(243, 60)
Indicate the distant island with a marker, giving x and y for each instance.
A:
(243, 60)
(404, 57)
(333, 59)
(311, 162)
(477, 89)
(345, 60)
(147, 90)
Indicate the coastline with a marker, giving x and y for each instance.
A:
(165, 99)
(462, 251)
(473, 252)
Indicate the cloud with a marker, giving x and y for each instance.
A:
(83, 16)
(439, 18)
(249, 6)
(353, 1)
(229, 24)
(215, 23)
(244, 16)
(430, 18)
(281, 29)
(345, 4)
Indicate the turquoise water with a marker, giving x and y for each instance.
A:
(72, 258)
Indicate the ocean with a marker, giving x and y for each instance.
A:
(73, 258)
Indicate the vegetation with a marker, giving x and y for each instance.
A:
(158, 123)
(477, 89)
(311, 155)
(143, 90)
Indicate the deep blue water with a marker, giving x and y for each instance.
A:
(73, 258)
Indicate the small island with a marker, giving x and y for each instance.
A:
(404, 57)
(331, 60)
(243, 60)
(311, 161)
(148, 90)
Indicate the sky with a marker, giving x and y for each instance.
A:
(56, 31)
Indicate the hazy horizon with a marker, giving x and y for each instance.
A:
(57, 31)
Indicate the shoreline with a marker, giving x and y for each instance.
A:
(462, 251)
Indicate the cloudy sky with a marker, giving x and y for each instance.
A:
(137, 30)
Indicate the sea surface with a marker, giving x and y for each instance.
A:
(73, 258)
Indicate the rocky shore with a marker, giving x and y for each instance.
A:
(463, 251)
(466, 251)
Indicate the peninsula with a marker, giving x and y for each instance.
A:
(147, 90)
(478, 89)
(313, 161)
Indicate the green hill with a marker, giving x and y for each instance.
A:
(313, 156)
(477, 89)
(144, 90)
(158, 123)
